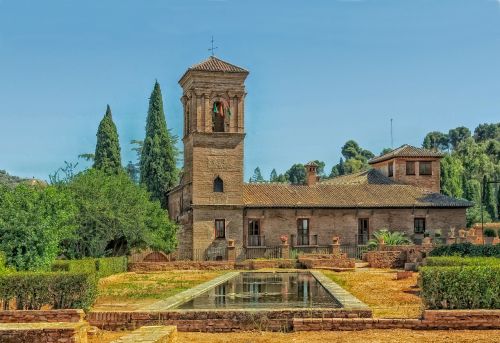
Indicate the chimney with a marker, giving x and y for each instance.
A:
(311, 177)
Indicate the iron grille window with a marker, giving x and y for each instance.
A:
(419, 225)
(425, 168)
(220, 228)
(410, 168)
(303, 231)
(254, 232)
(390, 169)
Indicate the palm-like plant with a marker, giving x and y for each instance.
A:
(389, 238)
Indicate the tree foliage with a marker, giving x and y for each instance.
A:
(296, 175)
(257, 176)
(356, 159)
(107, 155)
(274, 176)
(436, 140)
(458, 135)
(158, 154)
(33, 222)
(114, 216)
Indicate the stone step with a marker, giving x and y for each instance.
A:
(151, 334)
(362, 264)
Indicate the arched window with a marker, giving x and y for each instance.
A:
(218, 117)
(218, 185)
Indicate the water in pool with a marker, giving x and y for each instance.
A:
(265, 290)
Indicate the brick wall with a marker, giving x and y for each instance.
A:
(34, 316)
(385, 259)
(44, 332)
(340, 261)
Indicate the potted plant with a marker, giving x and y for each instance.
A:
(489, 236)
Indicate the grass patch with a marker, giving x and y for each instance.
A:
(378, 289)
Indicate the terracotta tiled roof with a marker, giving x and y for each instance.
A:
(406, 151)
(215, 64)
(362, 190)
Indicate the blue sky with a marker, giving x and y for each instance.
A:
(321, 72)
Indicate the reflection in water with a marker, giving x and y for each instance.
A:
(265, 290)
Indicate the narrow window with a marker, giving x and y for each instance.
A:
(254, 238)
(218, 185)
(425, 168)
(390, 169)
(410, 168)
(419, 225)
(363, 231)
(303, 231)
(218, 114)
(220, 228)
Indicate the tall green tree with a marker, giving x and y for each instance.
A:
(158, 155)
(489, 199)
(274, 176)
(458, 135)
(436, 140)
(107, 155)
(338, 169)
(257, 176)
(451, 176)
(487, 131)
(296, 174)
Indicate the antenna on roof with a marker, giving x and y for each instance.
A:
(392, 137)
(212, 49)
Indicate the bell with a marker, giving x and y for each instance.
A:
(215, 108)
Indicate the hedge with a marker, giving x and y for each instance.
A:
(111, 265)
(32, 290)
(102, 267)
(444, 261)
(467, 249)
(461, 287)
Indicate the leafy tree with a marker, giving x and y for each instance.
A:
(338, 169)
(320, 170)
(257, 176)
(133, 171)
(451, 176)
(296, 174)
(385, 151)
(107, 155)
(354, 165)
(351, 149)
(487, 131)
(489, 199)
(114, 216)
(158, 155)
(458, 135)
(9, 180)
(274, 176)
(33, 222)
(63, 174)
(436, 140)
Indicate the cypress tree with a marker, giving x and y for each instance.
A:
(107, 150)
(490, 204)
(158, 158)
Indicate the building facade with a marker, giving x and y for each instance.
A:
(214, 206)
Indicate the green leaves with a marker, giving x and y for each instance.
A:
(389, 237)
(107, 151)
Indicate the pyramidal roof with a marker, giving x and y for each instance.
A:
(215, 64)
(406, 151)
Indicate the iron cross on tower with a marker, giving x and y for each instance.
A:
(212, 49)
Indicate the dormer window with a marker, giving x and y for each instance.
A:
(425, 168)
(218, 185)
(410, 168)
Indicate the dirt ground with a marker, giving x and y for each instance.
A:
(372, 336)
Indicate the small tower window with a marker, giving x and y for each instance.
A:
(218, 185)
(218, 115)
(390, 169)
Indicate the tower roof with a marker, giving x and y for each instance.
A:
(406, 151)
(215, 64)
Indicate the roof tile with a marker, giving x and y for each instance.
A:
(406, 151)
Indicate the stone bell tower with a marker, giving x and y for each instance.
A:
(213, 101)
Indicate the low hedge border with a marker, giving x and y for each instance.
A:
(461, 287)
(445, 261)
(467, 250)
(102, 267)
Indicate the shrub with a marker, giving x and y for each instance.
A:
(489, 233)
(461, 287)
(111, 265)
(32, 290)
(87, 265)
(3, 268)
(467, 249)
(444, 261)
(389, 237)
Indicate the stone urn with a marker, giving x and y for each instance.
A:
(427, 241)
(335, 240)
(284, 239)
(230, 243)
(461, 233)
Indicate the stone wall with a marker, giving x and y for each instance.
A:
(385, 259)
(43, 332)
(338, 261)
(445, 320)
(34, 316)
(267, 264)
(182, 265)
(151, 334)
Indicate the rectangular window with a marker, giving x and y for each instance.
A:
(390, 169)
(419, 225)
(220, 228)
(363, 230)
(254, 238)
(425, 168)
(410, 168)
(303, 231)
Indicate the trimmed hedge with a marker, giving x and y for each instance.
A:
(111, 265)
(461, 287)
(32, 290)
(102, 267)
(444, 261)
(467, 250)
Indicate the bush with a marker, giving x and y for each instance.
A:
(111, 265)
(461, 287)
(87, 265)
(489, 233)
(467, 250)
(32, 290)
(3, 268)
(444, 261)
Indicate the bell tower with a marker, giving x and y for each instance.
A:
(213, 101)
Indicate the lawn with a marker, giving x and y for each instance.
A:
(131, 291)
(378, 289)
